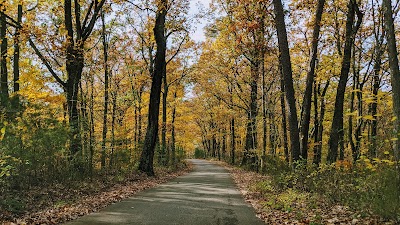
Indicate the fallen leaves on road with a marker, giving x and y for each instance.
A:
(85, 203)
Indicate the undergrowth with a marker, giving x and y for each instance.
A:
(366, 187)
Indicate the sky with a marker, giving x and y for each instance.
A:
(198, 35)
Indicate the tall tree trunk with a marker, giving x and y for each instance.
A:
(336, 138)
(306, 108)
(283, 108)
(16, 100)
(4, 98)
(374, 105)
(317, 121)
(106, 90)
(91, 131)
(394, 69)
(146, 160)
(318, 140)
(232, 126)
(288, 79)
(113, 117)
(164, 120)
(250, 156)
(173, 154)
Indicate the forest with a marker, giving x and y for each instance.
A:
(305, 94)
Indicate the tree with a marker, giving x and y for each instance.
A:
(147, 156)
(4, 95)
(288, 79)
(394, 69)
(336, 138)
(306, 108)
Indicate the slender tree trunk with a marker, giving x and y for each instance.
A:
(306, 108)
(173, 154)
(113, 117)
(250, 157)
(283, 108)
(336, 138)
(232, 140)
(146, 160)
(374, 105)
(91, 131)
(394, 69)
(16, 101)
(288, 79)
(3, 62)
(164, 121)
(317, 121)
(106, 95)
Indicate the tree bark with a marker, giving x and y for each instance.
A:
(4, 98)
(146, 160)
(288, 79)
(106, 96)
(306, 108)
(336, 138)
(394, 69)
(250, 156)
(16, 71)
(164, 121)
(283, 111)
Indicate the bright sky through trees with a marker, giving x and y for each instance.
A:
(198, 35)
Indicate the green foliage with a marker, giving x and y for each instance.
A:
(199, 153)
(362, 188)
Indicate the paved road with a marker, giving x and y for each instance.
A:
(207, 195)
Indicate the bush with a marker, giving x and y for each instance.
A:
(362, 187)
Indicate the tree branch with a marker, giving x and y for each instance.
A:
(47, 64)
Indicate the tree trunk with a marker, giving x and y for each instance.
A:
(374, 105)
(91, 132)
(232, 140)
(16, 100)
(337, 135)
(250, 156)
(306, 108)
(146, 160)
(288, 79)
(3, 62)
(283, 108)
(164, 121)
(173, 154)
(394, 69)
(106, 96)
(113, 117)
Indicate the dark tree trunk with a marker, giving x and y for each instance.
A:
(106, 96)
(272, 132)
(164, 121)
(113, 117)
(250, 156)
(232, 140)
(16, 100)
(318, 147)
(283, 108)
(287, 77)
(306, 108)
(394, 67)
(337, 134)
(173, 154)
(3, 62)
(374, 105)
(146, 160)
(91, 131)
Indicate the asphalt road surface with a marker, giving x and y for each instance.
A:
(207, 195)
